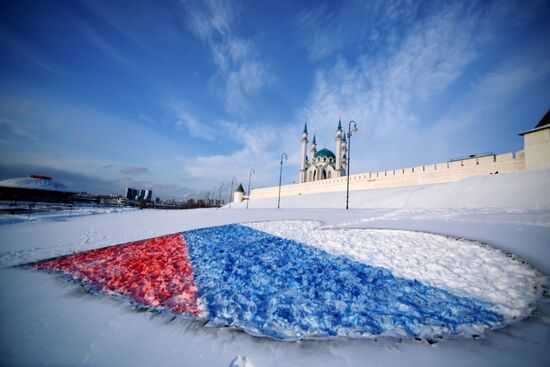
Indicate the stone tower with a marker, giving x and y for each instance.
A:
(238, 195)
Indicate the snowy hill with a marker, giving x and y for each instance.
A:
(526, 189)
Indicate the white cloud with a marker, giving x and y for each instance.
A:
(324, 30)
(103, 46)
(383, 93)
(239, 65)
(184, 121)
(27, 51)
(260, 149)
(133, 170)
(244, 82)
(211, 18)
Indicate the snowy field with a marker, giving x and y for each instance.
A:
(49, 321)
(40, 213)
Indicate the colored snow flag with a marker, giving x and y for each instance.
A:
(155, 273)
(272, 286)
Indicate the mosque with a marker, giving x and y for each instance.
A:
(323, 164)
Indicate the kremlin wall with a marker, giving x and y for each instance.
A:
(535, 155)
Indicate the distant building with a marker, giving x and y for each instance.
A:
(36, 188)
(139, 194)
(131, 194)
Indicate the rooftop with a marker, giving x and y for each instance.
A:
(324, 153)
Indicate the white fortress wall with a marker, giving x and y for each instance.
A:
(420, 175)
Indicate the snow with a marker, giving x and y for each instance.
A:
(525, 190)
(279, 288)
(466, 267)
(44, 212)
(48, 321)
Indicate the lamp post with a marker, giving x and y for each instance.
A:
(220, 197)
(350, 133)
(231, 191)
(213, 200)
(249, 179)
(283, 157)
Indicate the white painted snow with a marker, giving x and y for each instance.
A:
(466, 268)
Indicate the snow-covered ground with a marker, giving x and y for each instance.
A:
(55, 212)
(48, 321)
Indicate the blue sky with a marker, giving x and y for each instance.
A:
(180, 96)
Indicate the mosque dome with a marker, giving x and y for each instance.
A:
(324, 153)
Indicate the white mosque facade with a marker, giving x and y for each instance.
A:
(322, 164)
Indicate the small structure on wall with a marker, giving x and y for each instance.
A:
(537, 144)
(238, 195)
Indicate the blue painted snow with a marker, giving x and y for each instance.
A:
(283, 289)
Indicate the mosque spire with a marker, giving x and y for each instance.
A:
(339, 124)
(314, 141)
(305, 128)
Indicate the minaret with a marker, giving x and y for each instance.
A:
(303, 155)
(339, 134)
(313, 149)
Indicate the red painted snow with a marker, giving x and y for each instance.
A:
(155, 272)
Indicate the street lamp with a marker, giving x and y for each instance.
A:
(283, 157)
(220, 197)
(213, 200)
(249, 178)
(231, 191)
(350, 133)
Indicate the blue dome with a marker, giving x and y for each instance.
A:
(324, 153)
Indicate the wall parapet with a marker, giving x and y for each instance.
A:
(410, 176)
